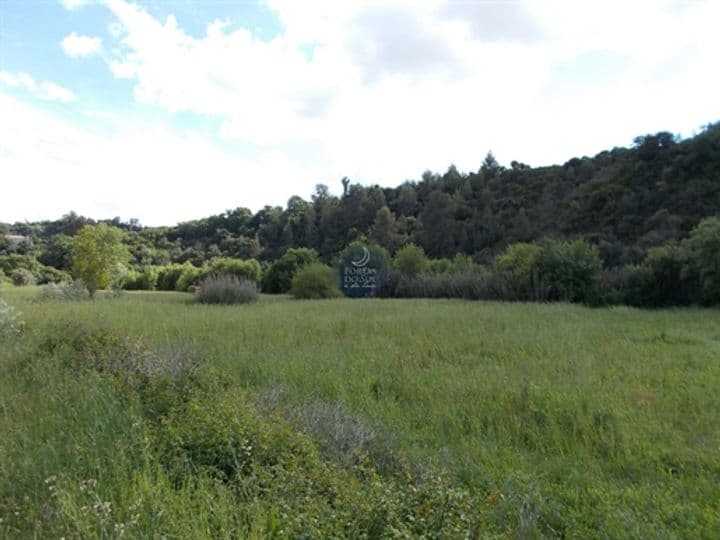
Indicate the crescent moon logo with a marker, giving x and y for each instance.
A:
(363, 260)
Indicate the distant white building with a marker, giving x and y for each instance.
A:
(15, 239)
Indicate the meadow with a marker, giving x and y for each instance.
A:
(148, 415)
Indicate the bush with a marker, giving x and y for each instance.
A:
(217, 441)
(517, 272)
(169, 274)
(226, 290)
(22, 277)
(614, 285)
(67, 291)
(48, 274)
(315, 280)
(570, 270)
(440, 266)
(411, 260)
(702, 267)
(279, 276)
(190, 276)
(665, 264)
(463, 264)
(248, 270)
(144, 279)
(8, 263)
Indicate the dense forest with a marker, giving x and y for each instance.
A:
(624, 202)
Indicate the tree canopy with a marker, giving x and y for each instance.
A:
(96, 251)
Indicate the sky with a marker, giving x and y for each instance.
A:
(172, 110)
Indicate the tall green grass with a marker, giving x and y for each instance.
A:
(557, 420)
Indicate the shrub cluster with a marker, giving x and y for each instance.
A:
(67, 290)
(315, 281)
(15, 261)
(570, 271)
(143, 279)
(675, 274)
(278, 278)
(22, 277)
(226, 289)
(183, 277)
(411, 261)
(248, 270)
(168, 275)
(26, 270)
(547, 271)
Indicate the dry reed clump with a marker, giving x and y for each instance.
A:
(65, 291)
(226, 289)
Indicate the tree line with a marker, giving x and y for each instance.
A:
(625, 203)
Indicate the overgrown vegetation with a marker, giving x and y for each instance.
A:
(279, 277)
(627, 205)
(146, 417)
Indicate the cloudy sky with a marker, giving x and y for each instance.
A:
(169, 110)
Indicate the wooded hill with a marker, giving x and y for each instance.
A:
(624, 201)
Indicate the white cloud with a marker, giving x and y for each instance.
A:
(75, 4)
(45, 90)
(391, 75)
(129, 168)
(264, 92)
(379, 91)
(76, 45)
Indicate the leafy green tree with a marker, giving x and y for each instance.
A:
(570, 269)
(439, 225)
(490, 166)
(665, 264)
(301, 222)
(97, 250)
(517, 267)
(702, 249)
(57, 252)
(279, 276)
(411, 260)
(385, 230)
(407, 200)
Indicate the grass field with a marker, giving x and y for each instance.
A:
(512, 420)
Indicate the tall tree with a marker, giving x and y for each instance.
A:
(97, 250)
(439, 226)
(385, 230)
